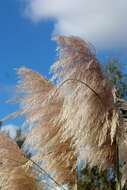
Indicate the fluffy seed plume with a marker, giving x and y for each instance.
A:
(72, 114)
(40, 107)
(79, 110)
(87, 112)
(13, 173)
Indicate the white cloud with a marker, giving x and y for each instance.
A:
(10, 130)
(102, 22)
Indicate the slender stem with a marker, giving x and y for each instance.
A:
(82, 82)
(48, 175)
(118, 180)
(22, 163)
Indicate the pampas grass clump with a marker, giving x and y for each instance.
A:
(77, 109)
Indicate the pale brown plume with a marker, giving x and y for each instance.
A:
(88, 111)
(40, 107)
(78, 110)
(13, 171)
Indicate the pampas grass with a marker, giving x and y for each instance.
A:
(77, 109)
(19, 179)
(13, 171)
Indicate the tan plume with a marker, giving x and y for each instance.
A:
(13, 172)
(80, 109)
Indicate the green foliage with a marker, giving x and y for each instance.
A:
(116, 73)
(19, 138)
(93, 179)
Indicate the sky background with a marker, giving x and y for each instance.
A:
(26, 28)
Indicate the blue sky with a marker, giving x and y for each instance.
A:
(22, 43)
(25, 40)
